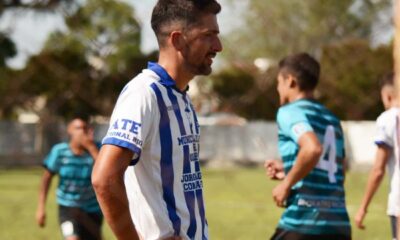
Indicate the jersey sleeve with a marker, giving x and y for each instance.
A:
(132, 119)
(52, 161)
(293, 123)
(385, 130)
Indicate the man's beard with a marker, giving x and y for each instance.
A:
(198, 68)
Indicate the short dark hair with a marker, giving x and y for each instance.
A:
(186, 12)
(303, 67)
(78, 115)
(387, 80)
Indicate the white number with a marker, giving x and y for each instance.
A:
(329, 164)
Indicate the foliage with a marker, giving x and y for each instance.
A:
(338, 33)
(350, 78)
(250, 96)
(279, 28)
(84, 68)
(7, 49)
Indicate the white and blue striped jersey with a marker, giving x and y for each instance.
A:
(157, 122)
(386, 134)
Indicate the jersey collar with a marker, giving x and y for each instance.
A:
(165, 78)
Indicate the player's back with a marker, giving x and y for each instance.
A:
(316, 204)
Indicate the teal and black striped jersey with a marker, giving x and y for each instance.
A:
(75, 186)
(316, 204)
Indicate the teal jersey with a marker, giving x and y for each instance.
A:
(75, 186)
(316, 204)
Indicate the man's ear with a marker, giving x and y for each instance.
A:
(177, 40)
(292, 81)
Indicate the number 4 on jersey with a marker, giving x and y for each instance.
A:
(327, 160)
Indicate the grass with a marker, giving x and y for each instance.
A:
(238, 205)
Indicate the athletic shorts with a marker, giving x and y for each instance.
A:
(76, 222)
(393, 225)
(281, 234)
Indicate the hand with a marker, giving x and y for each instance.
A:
(87, 139)
(41, 218)
(274, 169)
(280, 193)
(359, 218)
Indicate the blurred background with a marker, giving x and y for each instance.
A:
(58, 57)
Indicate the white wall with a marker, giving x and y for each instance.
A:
(257, 141)
(220, 145)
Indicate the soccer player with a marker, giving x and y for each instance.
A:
(312, 149)
(385, 157)
(147, 176)
(79, 213)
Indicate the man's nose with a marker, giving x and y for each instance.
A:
(217, 45)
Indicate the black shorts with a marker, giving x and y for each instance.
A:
(281, 234)
(76, 222)
(393, 225)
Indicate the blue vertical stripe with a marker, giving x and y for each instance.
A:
(199, 193)
(189, 196)
(167, 170)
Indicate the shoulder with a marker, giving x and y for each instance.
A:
(60, 147)
(289, 112)
(140, 87)
(387, 116)
(331, 116)
(142, 81)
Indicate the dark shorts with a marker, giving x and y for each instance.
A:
(393, 225)
(281, 234)
(76, 222)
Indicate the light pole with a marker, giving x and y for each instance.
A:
(396, 50)
(396, 55)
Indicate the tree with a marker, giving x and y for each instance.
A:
(338, 33)
(278, 28)
(7, 49)
(351, 71)
(85, 68)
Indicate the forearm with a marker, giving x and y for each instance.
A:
(306, 161)
(93, 151)
(44, 190)
(376, 175)
(112, 197)
(374, 181)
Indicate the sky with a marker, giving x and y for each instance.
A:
(30, 30)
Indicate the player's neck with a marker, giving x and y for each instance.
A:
(76, 148)
(301, 95)
(176, 71)
(394, 104)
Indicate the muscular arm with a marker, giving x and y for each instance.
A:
(374, 180)
(108, 183)
(308, 156)
(43, 192)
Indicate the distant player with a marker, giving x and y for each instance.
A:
(312, 149)
(79, 213)
(147, 176)
(385, 157)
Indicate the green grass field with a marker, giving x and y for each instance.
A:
(238, 201)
